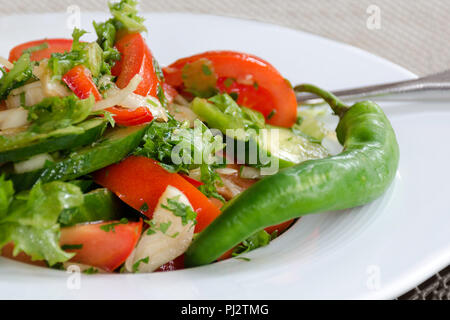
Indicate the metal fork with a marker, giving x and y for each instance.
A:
(435, 87)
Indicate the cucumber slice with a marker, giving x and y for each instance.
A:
(99, 205)
(262, 146)
(25, 145)
(86, 185)
(289, 148)
(113, 147)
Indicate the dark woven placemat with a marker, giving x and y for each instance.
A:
(436, 288)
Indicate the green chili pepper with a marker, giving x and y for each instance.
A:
(357, 176)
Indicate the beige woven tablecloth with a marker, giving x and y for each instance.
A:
(412, 33)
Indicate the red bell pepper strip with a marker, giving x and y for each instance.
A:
(136, 58)
(79, 80)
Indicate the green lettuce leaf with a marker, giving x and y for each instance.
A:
(17, 76)
(6, 195)
(88, 54)
(55, 113)
(125, 16)
(31, 221)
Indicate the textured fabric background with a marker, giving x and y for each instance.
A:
(413, 33)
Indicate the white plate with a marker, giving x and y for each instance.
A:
(378, 251)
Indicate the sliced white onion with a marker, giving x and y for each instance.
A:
(53, 88)
(250, 173)
(50, 87)
(247, 80)
(133, 101)
(180, 100)
(162, 247)
(183, 113)
(126, 98)
(116, 96)
(226, 171)
(6, 63)
(36, 84)
(13, 118)
(233, 189)
(331, 143)
(38, 71)
(195, 174)
(34, 163)
(33, 95)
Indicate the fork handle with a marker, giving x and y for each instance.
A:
(435, 87)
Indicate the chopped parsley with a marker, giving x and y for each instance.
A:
(39, 47)
(22, 99)
(137, 264)
(158, 70)
(272, 114)
(234, 96)
(181, 210)
(72, 247)
(199, 78)
(228, 82)
(178, 147)
(90, 271)
(112, 226)
(163, 227)
(211, 179)
(144, 207)
(161, 96)
(206, 70)
(258, 240)
(107, 115)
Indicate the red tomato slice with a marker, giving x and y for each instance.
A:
(106, 250)
(54, 46)
(79, 80)
(7, 252)
(138, 181)
(136, 59)
(249, 96)
(277, 96)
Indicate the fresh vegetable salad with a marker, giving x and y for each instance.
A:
(113, 164)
